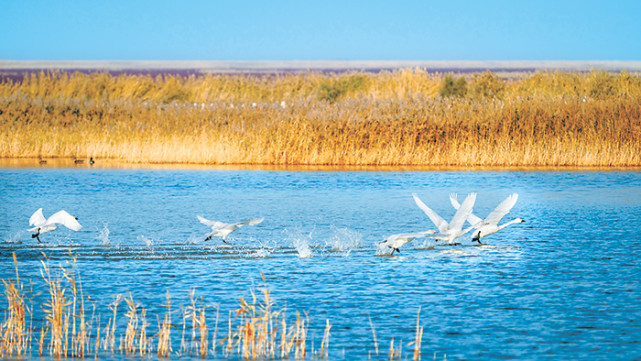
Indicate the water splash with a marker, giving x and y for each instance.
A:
(425, 244)
(194, 239)
(148, 242)
(15, 238)
(344, 240)
(261, 253)
(382, 250)
(103, 237)
(300, 242)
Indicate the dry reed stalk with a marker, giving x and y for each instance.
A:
(164, 332)
(324, 350)
(109, 342)
(14, 334)
(56, 314)
(203, 330)
(97, 340)
(373, 335)
(128, 343)
(199, 330)
(418, 338)
(41, 341)
(300, 337)
(80, 335)
(213, 337)
(227, 350)
(392, 354)
(143, 341)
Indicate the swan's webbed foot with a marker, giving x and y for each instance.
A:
(36, 236)
(225, 242)
(207, 239)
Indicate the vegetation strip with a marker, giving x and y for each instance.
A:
(255, 330)
(405, 117)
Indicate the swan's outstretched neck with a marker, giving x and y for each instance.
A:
(516, 220)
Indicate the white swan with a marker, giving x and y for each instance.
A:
(490, 225)
(43, 225)
(395, 241)
(220, 229)
(449, 231)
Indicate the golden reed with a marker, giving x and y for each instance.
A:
(406, 117)
(256, 329)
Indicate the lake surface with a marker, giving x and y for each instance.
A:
(564, 285)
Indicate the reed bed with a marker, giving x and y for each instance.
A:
(256, 329)
(406, 117)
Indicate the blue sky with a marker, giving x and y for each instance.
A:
(320, 30)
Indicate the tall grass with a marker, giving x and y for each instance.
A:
(15, 333)
(257, 330)
(390, 118)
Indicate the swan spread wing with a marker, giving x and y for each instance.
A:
(37, 218)
(472, 218)
(250, 222)
(438, 221)
(409, 236)
(463, 212)
(502, 209)
(211, 224)
(66, 219)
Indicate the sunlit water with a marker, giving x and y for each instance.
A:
(564, 285)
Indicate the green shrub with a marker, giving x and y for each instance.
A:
(487, 85)
(335, 88)
(453, 87)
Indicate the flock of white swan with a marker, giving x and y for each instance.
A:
(447, 231)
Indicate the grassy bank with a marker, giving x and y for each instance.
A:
(406, 117)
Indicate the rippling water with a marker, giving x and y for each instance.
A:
(564, 285)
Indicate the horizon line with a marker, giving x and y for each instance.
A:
(300, 65)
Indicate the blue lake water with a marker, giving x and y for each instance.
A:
(566, 284)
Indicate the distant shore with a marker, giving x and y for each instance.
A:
(275, 66)
(83, 163)
(402, 118)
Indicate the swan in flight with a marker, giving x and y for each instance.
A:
(220, 229)
(43, 225)
(449, 231)
(395, 241)
(490, 225)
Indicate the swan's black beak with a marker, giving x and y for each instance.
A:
(522, 220)
(76, 218)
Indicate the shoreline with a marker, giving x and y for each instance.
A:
(112, 164)
(296, 66)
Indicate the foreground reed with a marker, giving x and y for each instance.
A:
(256, 329)
(406, 117)
(15, 337)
